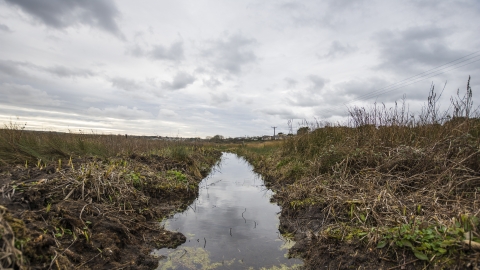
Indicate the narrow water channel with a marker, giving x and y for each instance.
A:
(231, 225)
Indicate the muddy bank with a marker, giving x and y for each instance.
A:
(336, 228)
(334, 253)
(320, 252)
(91, 213)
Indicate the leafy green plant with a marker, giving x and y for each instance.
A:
(86, 234)
(59, 232)
(426, 242)
(20, 243)
(136, 179)
(177, 176)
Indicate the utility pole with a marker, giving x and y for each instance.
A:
(274, 132)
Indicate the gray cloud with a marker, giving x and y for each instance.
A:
(414, 48)
(5, 28)
(290, 83)
(431, 4)
(22, 94)
(120, 112)
(321, 14)
(219, 97)
(377, 89)
(10, 68)
(283, 113)
(446, 7)
(231, 53)
(180, 81)
(290, 6)
(15, 68)
(174, 52)
(367, 89)
(92, 99)
(311, 95)
(337, 49)
(167, 113)
(62, 71)
(135, 51)
(303, 99)
(342, 5)
(326, 110)
(64, 13)
(125, 84)
(316, 83)
(298, 13)
(212, 82)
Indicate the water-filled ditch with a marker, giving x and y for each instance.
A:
(231, 225)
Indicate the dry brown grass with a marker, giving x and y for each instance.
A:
(10, 256)
(412, 182)
(72, 188)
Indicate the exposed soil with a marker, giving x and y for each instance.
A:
(91, 213)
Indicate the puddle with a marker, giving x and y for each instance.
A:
(231, 225)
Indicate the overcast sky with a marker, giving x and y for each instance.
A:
(235, 68)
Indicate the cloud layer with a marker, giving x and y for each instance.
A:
(61, 14)
(233, 68)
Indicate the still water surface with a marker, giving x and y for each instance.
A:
(231, 225)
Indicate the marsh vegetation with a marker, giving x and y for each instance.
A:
(389, 189)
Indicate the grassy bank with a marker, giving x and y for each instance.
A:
(18, 145)
(400, 194)
(92, 201)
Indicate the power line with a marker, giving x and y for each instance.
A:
(429, 77)
(425, 73)
(400, 86)
(414, 79)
